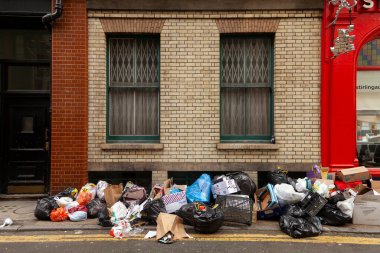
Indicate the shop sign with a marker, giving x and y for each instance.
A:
(368, 5)
(368, 90)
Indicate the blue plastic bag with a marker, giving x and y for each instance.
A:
(200, 190)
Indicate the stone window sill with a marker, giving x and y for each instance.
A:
(247, 146)
(132, 146)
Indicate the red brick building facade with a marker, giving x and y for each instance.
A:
(69, 97)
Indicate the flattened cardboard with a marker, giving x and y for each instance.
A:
(112, 194)
(366, 209)
(170, 223)
(354, 174)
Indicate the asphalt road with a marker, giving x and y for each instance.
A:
(232, 241)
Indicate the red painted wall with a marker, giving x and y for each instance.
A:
(69, 97)
(338, 87)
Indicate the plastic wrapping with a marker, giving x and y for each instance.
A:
(152, 209)
(84, 197)
(286, 194)
(76, 209)
(200, 190)
(347, 206)
(63, 201)
(298, 227)
(44, 208)
(303, 185)
(94, 207)
(90, 188)
(245, 183)
(59, 214)
(100, 187)
(118, 212)
(78, 216)
(204, 219)
(331, 215)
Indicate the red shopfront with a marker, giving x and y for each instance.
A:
(350, 90)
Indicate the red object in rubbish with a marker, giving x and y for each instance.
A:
(59, 214)
(343, 186)
(78, 208)
(84, 198)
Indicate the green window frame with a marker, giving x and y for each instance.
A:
(246, 87)
(133, 88)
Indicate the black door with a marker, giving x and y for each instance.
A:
(27, 142)
(25, 81)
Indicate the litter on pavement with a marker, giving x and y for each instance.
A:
(301, 206)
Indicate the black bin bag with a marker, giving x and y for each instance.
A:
(94, 207)
(44, 208)
(331, 215)
(152, 209)
(245, 183)
(300, 227)
(205, 219)
(104, 218)
(277, 177)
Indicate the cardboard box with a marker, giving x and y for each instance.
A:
(354, 174)
(366, 209)
(376, 185)
(174, 201)
(224, 186)
(267, 204)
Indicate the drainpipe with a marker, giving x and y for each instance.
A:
(48, 19)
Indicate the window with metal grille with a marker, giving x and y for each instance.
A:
(133, 88)
(246, 88)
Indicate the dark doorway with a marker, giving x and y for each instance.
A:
(25, 81)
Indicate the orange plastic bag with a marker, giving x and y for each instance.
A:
(84, 198)
(59, 214)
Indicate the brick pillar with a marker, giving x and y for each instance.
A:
(69, 97)
(253, 176)
(158, 177)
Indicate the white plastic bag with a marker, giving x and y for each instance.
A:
(100, 187)
(118, 212)
(346, 206)
(303, 185)
(63, 201)
(286, 194)
(89, 187)
(78, 216)
(321, 188)
(122, 229)
(71, 205)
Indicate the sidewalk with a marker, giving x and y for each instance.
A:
(22, 213)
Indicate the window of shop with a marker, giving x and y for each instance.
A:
(133, 88)
(246, 88)
(368, 105)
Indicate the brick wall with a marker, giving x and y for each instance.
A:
(189, 93)
(69, 97)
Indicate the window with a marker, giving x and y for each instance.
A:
(246, 88)
(133, 89)
(368, 105)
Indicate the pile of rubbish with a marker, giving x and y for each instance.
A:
(206, 205)
(322, 198)
(301, 206)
